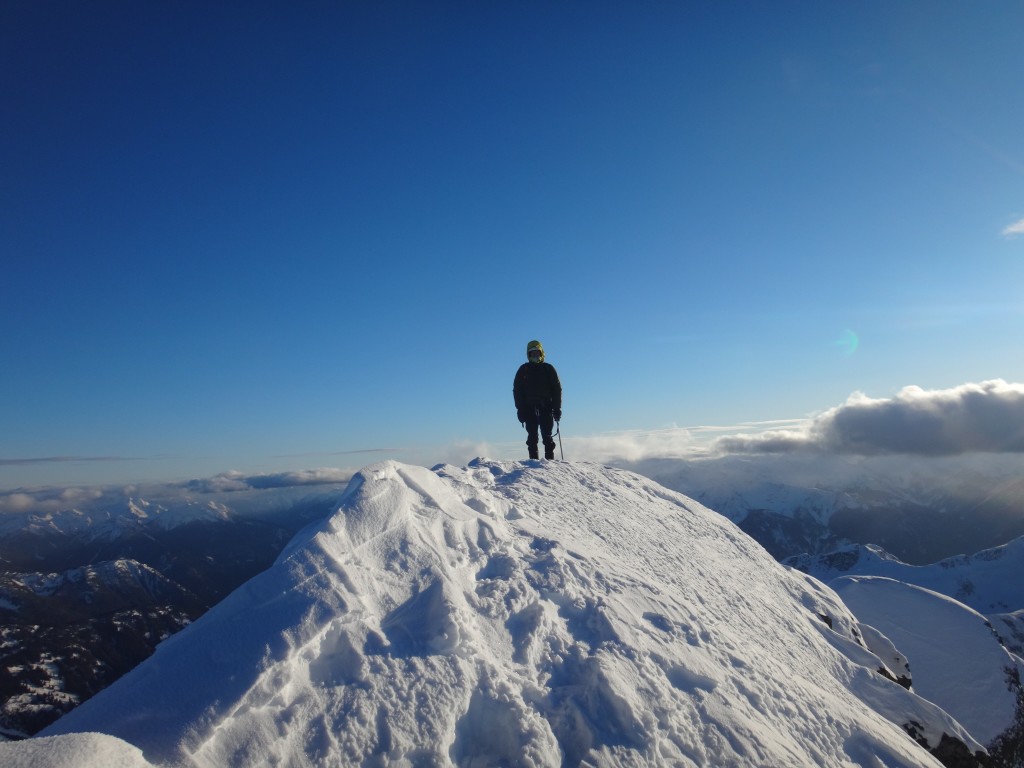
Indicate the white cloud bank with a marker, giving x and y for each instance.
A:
(984, 417)
(238, 481)
(673, 442)
(48, 500)
(602, 448)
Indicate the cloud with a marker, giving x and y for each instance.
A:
(1017, 228)
(985, 417)
(60, 459)
(772, 441)
(322, 476)
(604, 448)
(632, 446)
(237, 481)
(49, 500)
(620, 447)
(225, 481)
(1014, 229)
(16, 502)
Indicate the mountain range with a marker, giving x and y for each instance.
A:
(88, 592)
(921, 510)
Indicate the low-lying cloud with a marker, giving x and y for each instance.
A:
(238, 481)
(971, 418)
(46, 501)
(630, 446)
(603, 448)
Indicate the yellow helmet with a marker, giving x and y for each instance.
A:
(535, 346)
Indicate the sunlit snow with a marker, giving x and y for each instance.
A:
(958, 662)
(535, 613)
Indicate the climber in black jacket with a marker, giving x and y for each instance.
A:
(538, 395)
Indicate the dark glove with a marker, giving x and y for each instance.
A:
(557, 413)
(522, 417)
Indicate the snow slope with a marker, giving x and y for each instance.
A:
(79, 750)
(515, 613)
(956, 658)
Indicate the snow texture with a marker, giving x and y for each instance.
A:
(529, 614)
(72, 751)
(957, 660)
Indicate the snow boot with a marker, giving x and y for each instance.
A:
(549, 449)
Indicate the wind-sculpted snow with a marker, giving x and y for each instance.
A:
(73, 751)
(529, 614)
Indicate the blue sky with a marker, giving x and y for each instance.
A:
(260, 237)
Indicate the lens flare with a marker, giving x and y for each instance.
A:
(848, 343)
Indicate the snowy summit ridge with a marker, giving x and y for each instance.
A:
(513, 613)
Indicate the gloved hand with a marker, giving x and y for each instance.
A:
(522, 417)
(557, 413)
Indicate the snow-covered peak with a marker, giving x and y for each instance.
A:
(107, 514)
(104, 518)
(518, 613)
(990, 581)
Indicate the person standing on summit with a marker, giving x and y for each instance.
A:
(538, 395)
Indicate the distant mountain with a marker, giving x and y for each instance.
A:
(86, 594)
(90, 522)
(60, 536)
(977, 678)
(66, 636)
(920, 510)
(531, 613)
(974, 678)
(990, 581)
(950, 520)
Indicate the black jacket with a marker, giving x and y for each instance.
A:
(537, 386)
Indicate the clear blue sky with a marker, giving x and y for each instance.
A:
(260, 235)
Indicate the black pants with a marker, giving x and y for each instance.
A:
(543, 420)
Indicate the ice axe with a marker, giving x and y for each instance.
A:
(558, 434)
